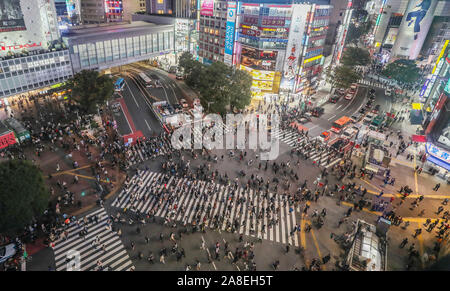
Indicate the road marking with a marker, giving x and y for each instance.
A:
(147, 125)
(420, 238)
(339, 106)
(73, 170)
(209, 254)
(132, 94)
(316, 245)
(126, 118)
(89, 178)
(332, 117)
(415, 176)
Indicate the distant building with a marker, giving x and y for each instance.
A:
(132, 6)
(100, 11)
(160, 6)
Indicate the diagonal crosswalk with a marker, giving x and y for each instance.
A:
(100, 243)
(324, 157)
(222, 207)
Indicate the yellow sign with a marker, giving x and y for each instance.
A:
(312, 59)
(258, 74)
(377, 44)
(417, 106)
(262, 85)
(440, 56)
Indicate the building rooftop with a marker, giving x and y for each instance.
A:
(102, 29)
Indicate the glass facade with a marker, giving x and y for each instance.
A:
(32, 72)
(100, 53)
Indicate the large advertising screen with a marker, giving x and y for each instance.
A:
(295, 42)
(229, 37)
(207, 8)
(11, 17)
(414, 28)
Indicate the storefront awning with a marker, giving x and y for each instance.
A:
(438, 162)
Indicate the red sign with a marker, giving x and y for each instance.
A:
(18, 47)
(7, 140)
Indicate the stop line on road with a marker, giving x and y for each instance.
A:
(193, 196)
(324, 158)
(114, 257)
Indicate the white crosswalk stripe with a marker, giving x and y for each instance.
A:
(196, 202)
(99, 244)
(294, 139)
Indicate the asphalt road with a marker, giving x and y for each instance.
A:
(335, 111)
(140, 109)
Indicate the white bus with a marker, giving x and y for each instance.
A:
(144, 78)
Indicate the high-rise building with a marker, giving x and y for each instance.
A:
(160, 6)
(186, 8)
(31, 54)
(401, 26)
(212, 28)
(132, 6)
(100, 11)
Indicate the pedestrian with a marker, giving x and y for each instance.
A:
(162, 259)
(437, 186)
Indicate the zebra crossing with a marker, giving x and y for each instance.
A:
(372, 83)
(198, 134)
(139, 153)
(99, 244)
(192, 200)
(323, 157)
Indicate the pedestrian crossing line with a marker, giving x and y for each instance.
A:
(61, 252)
(89, 247)
(195, 201)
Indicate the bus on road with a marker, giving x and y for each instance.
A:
(339, 124)
(144, 78)
(118, 86)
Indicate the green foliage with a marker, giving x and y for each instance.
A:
(23, 194)
(343, 76)
(354, 56)
(403, 71)
(218, 84)
(354, 34)
(90, 89)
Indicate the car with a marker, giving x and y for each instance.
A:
(324, 136)
(362, 110)
(349, 132)
(388, 92)
(340, 92)
(317, 111)
(334, 99)
(356, 117)
(376, 109)
(179, 76)
(368, 104)
(372, 91)
(303, 120)
(349, 96)
(368, 119)
(7, 251)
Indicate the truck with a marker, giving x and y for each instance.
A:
(22, 134)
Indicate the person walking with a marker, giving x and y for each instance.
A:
(437, 186)
(403, 243)
(162, 259)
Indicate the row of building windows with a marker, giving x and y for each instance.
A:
(110, 50)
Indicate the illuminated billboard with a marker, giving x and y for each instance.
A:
(295, 42)
(414, 28)
(229, 37)
(11, 17)
(259, 74)
(207, 8)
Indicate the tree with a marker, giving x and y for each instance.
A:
(403, 71)
(343, 77)
(354, 56)
(218, 85)
(240, 93)
(23, 194)
(90, 89)
(353, 34)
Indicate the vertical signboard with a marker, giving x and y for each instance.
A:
(294, 46)
(11, 17)
(414, 28)
(434, 115)
(229, 36)
(207, 8)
